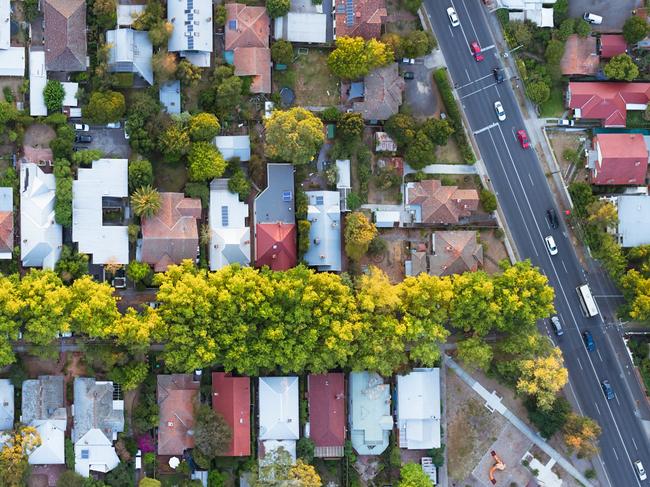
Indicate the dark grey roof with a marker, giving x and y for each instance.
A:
(43, 399)
(93, 408)
(65, 35)
(277, 202)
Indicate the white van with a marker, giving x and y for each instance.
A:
(592, 18)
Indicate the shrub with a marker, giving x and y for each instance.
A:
(282, 52)
(53, 93)
(488, 200)
(305, 449)
(198, 190)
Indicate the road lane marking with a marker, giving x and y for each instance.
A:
(469, 17)
(634, 443)
(472, 82)
(616, 397)
(479, 90)
(487, 127)
(608, 295)
(491, 46)
(531, 180)
(565, 269)
(616, 455)
(599, 355)
(463, 31)
(451, 31)
(579, 363)
(467, 73)
(597, 409)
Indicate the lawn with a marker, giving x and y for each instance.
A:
(311, 79)
(554, 106)
(169, 177)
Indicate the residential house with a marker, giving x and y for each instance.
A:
(192, 35)
(172, 234)
(580, 56)
(41, 237)
(6, 405)
(611, 45)
(65, 35)
(605, 101)
(126, 14)
(386, 218)
(231, 397)
(431, 202)
(12, 59)
(343, 182)
(279, 424)
(633, 228)
(418, 262)
(6, 223)
(230, 234)
(618, 159)
(454, 253)
(359, 18)
(43, 407)
(383, 89)
(169, 95)
(275, 220)
(177, 394)
(5, 27)
(324, 215)
(370, 418)
(384, 142)
(247, 44)
(234, 146)
(98, 415)
(302, 27)
(130, 51)
(540, 12)
(99, 198)
(418, 409)
(327, 413)
(37, 82)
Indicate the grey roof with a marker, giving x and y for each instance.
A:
(131, 52)
(94, 408)
(43, 399)
(324, 214)
(633, 220)
(276, 203)
(383, 94)
(65, 35)
(6, 405)
(170, 96)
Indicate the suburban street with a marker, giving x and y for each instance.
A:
(524, 196)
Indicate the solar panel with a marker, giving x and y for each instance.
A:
(286, 196)
(319, 200)
(349, 12)
(224, 216)
(85, 454)
(232, 24)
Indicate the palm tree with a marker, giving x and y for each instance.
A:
(145, 201)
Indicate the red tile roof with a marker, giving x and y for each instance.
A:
(442, 204)
(172, 234)
(580, 56)
(327, 409)
(454, 253)
(246, 26)
(255, 62)
(231, 397)
(365, 20)
(612, 45)
(176, 396)
(607, 101)
(623, 159)
(6, 231)
(276, 245)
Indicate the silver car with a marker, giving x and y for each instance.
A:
(453, 17)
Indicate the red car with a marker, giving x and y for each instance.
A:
(476, 51)
(523, 139)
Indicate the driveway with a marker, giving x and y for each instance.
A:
(418, 93)
(110, 141)
(613, 17)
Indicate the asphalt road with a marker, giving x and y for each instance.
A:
(524, 197)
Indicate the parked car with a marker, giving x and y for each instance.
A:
(409, 75)
(523, 139)
(81, 127)
(550, 245)
(476, 51)
(640, 471)
(498, 75)
(565, 123)
(551, 214)
(113, 125)
(83, 139)
(453, 17)
(589, 341)
(607, 389)
(557, 326)
(592, 18)
(498, 108)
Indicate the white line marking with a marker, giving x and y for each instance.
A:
(531, 180)
(487, 127)
(451, 31)
(565, 269)
(472, 82)
(608, 295)
(468, 76)
(616, 455)
(597, 409)
(479, 90)
(579, 363)
(634, 443)
(599, 355)
(616, 397)
(469, 17)
(491, 46)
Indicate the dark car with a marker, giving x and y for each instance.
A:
(498, 75)
(408, 75)
(589, 341)
(551, 214)
(557, 326)
(83, 139)
(607, 389)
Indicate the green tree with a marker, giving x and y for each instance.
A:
(277, 8)
(105, 107)
(140, 174)
(350, 126)
(582, 28)
(560, 11)
(354, 57)
(412, 475)
(635, 29)
(70, 478)
(63, 143)
(71, 265)
(621, 67)
(105, 13)
(138, 271)
(129, 375)
(538, 92)
(602, 214)
(220, 15)
(475, 353)
(581, 435)
(293, 135)
(120, 476)
(164, 65)
(14, 455)
(417, 43)
(212, 434)
(188, 73)
(543, 378)
(160, 32)
(359, 232)
(488, 200)
(282, 52)
(53, 93)
(240, 184)
(566, 28)
(87, 157)
(63, 189)
(554, 51)
(438, 130)
(551, 421)
(402, 128)
(582, 198)
(204, 127)
(420, 152)
(412, 5)
(145, 201)
(148, 482)
(205, 162)
(521, 32)
(174, 143)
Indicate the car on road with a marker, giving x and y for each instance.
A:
(113, 125)
(409, 75)
(557, 326)
(501, 113)
(523, 139)
(83, 139)
(550, 245)
(551, 214)
(607, 389)
(476, 51)
(498, 75)
(453, 17)
(565, 123)
(589, 341)
(592, 18)
(640, 471)
(81, 127)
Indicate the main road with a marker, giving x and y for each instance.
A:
(524, 196)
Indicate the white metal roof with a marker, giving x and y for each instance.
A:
(94, 452)
(12, 61)
(107, 177)
(131, 52)
(5, 24)
(40, 236)
(70, 98)
(324, 215)
(633, 220)
(6, 405)
(234, 146)
(230, 238)
(126, 14)
(192, 34)
(51, 450)
(418, 409)
(278, 403)
(343, 169)
(308, 27)
(37, 81)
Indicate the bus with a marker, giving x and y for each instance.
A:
(587, 302)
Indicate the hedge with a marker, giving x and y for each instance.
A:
(444, 86)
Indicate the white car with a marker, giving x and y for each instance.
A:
(453, 17)
(640, 470)
(113, 125)
(82, 127)
(550, 245)
(501, 114)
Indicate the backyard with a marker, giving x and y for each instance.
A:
(310, 78)
(169, 176)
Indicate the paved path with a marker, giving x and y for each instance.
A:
(443, 169)
(494, 402)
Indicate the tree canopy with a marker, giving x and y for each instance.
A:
(105, 107)
(621, 67)
(53, 93)
(635, 29)
(355, 57)
(293, 135)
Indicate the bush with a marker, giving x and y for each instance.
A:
(488, 200)
(330, 114)
(69, 453)
(282, 52)
(551, 421)
(140, 174)
(198, 190)
(53, 93)
(438, 456)
(304, 226)
(305, 449)
(354, 201)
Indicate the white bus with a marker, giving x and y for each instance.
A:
(587, 302)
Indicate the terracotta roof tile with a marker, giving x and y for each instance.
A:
(246, 26)
(6, 231)
(231, 397)
(612, 45)
(255, 62)
(580, 56)
(327, 416)
(454, 253)
(624, 159)
(176, 396)
(365, 20)
(442, 204)
(607, 101)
